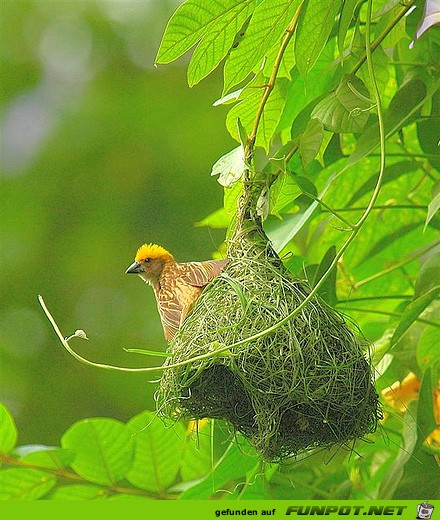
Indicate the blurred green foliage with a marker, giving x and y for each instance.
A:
(101, 152)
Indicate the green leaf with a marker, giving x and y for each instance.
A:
(310, 142)
(427, 132)
(388, 238)
(303, 94)
(46, 456)
(413, 311)
(21, 483)
(406, 103)
(8, 431)
(219, 219)
(218, 39)
(197, 457)
(345, 18)
(234, 464)
(314, 27)
(327, 291)
(77, 492)
(429, 275)
(347, 109)
(381, 67)
(287, 61)
(213, 24)
(230, 198)
(265, 30)
(391, 173)
(103, 447)
(428, 353)
(434, 205)
(230, 167)
(145, 352)
(283, 192)
(248, 105)
(158, 452)
(280, 233)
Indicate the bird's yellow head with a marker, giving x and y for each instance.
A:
(149, 262)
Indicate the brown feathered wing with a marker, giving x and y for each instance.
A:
(180, 286)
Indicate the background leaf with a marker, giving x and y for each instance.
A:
(347, 109)
(413, 311)
(247, 106)
(77, 492)
(196, 19)
(265, 30)
(218, 39)
(157, 452)
(21, 483)
(434, 205)
(404, 106)
(310, 142)
(233, 465)
(8, 431)
(315, 25)
(103, 447)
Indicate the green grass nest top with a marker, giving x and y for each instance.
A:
(304, 385)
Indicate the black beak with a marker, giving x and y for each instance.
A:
(135, 268)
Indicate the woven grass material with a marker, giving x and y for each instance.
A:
(304, 385)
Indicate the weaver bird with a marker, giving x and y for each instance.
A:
(176, 285)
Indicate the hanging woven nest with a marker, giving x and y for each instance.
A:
(301, 385)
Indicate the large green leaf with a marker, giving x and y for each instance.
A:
(8, 431)
(78, 492)
(23, 483)
(346, 110)
(404, 106)
(328, 289)
(157, 453)
(429, 275)
(46, 457)
(303, 94)
(314, 27)
(213, 24)
(414, 310)
(283, 192)
(434, 205)
(248, 105)
(427, 132)
(103, 447)
(217, 41)
(345, 20)
(391, 173)
(265, 30)
(197, 454)
(428, 351)
(310, 141)
(234, 464)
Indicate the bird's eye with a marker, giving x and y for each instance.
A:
(147, 260)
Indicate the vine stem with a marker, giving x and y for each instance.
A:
(250, 142)
(383, 34)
